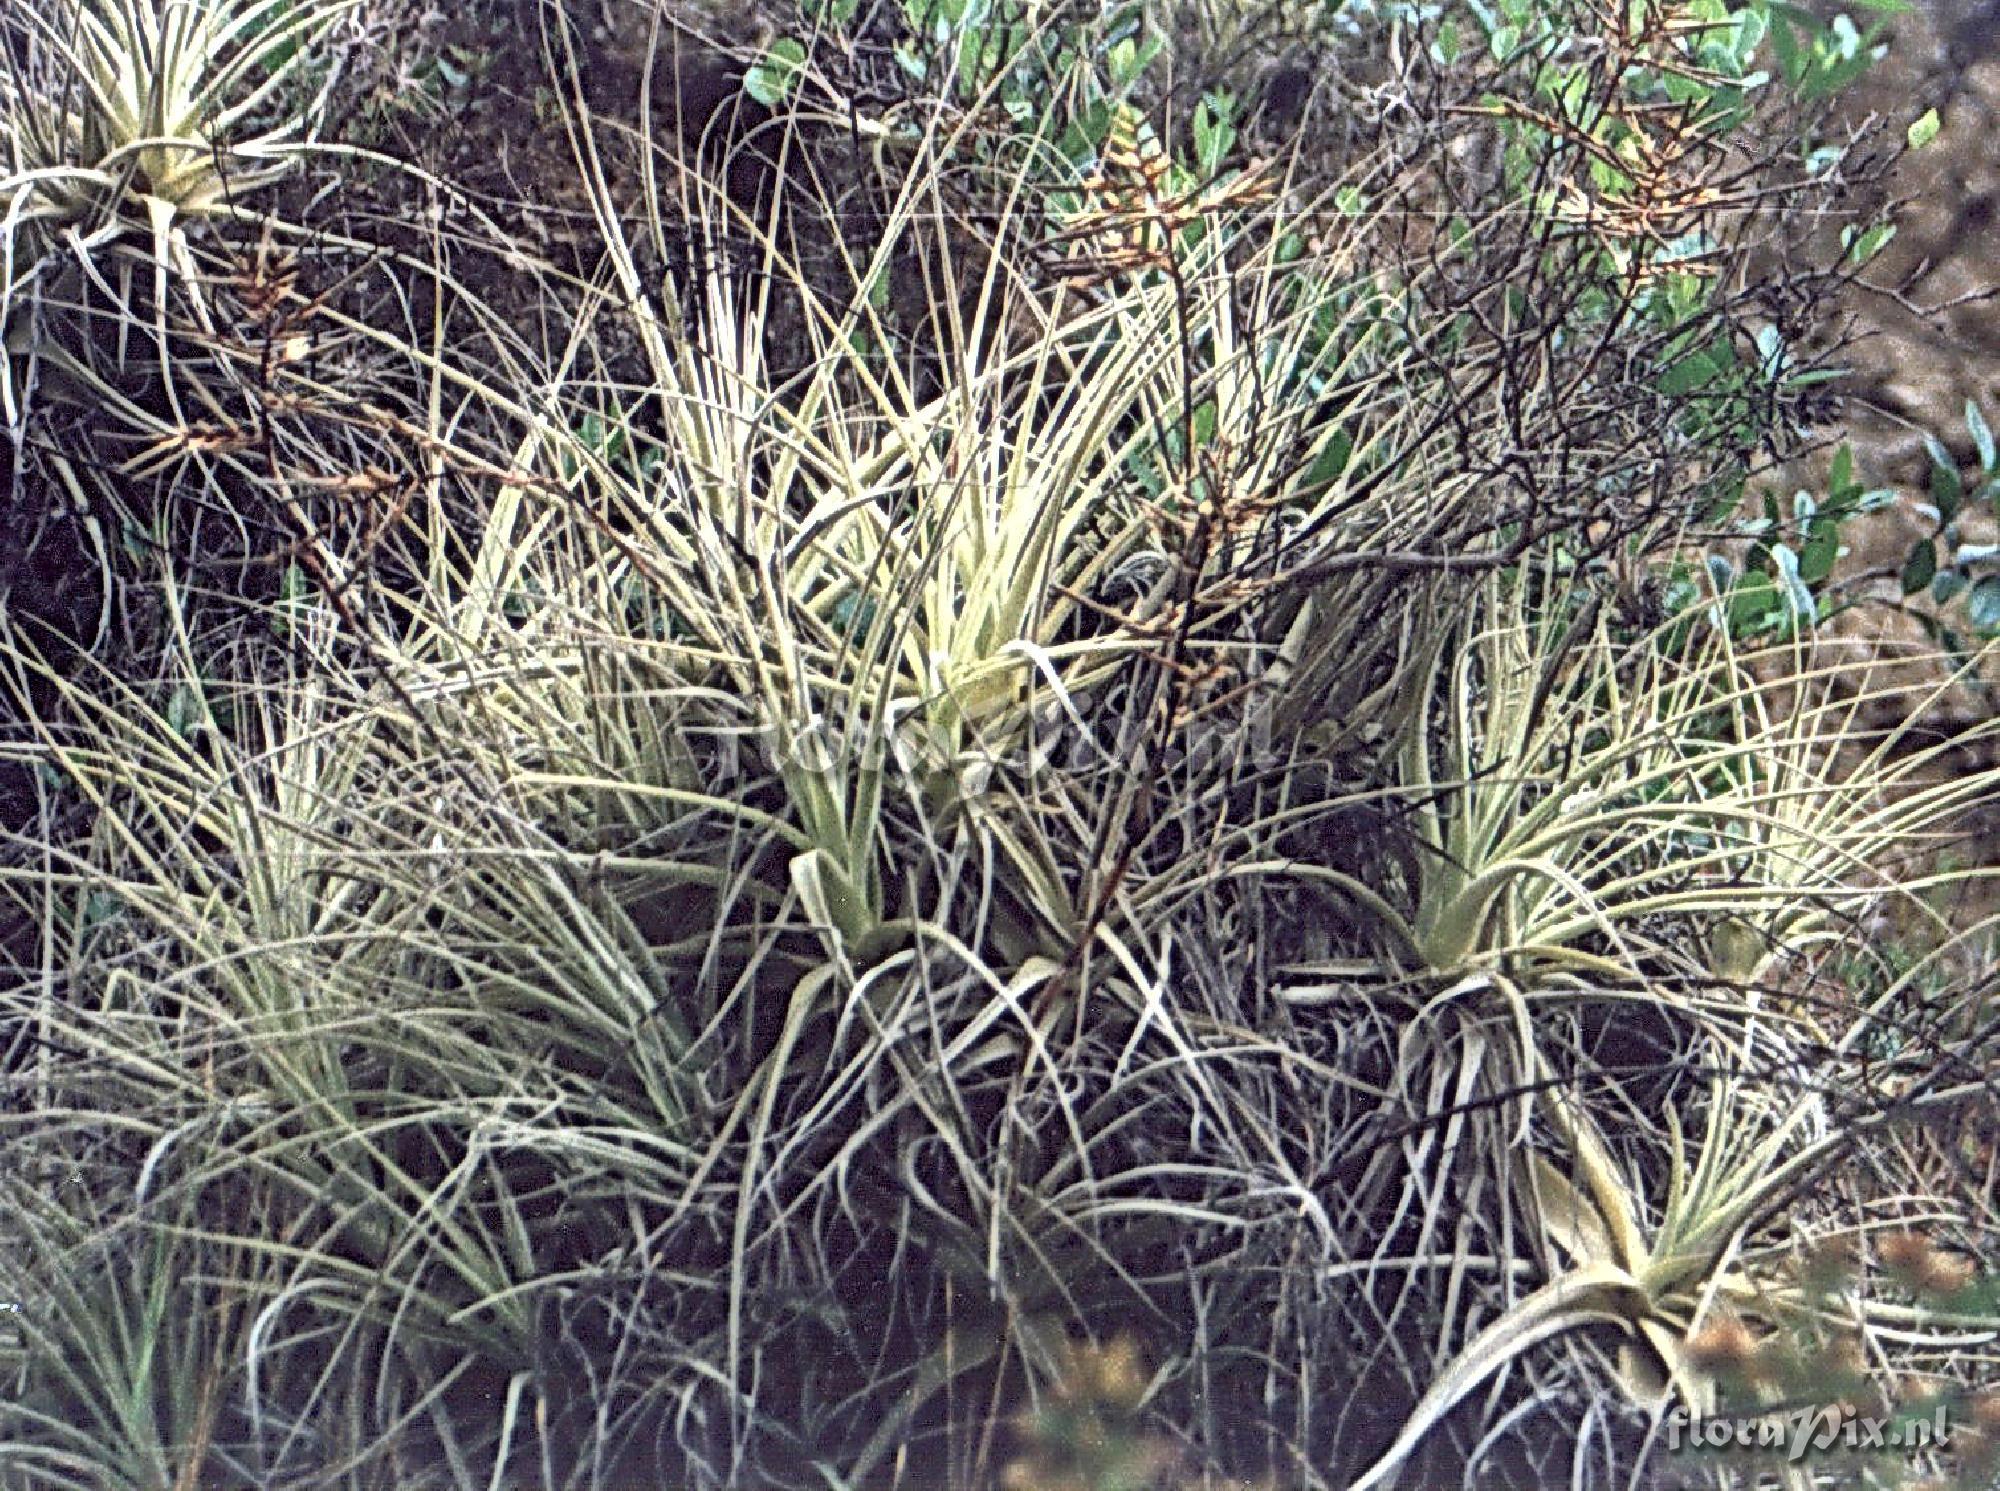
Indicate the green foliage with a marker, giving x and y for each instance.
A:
(1785, 583)
(1946, 563)
(1959, 573)
(772, 78)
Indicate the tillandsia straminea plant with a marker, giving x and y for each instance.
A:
(121, 117)
(165, 105)
(125, 127)
(1659, 824)
(1589, 798)
(861, 848)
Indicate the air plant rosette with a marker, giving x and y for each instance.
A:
(126, 123)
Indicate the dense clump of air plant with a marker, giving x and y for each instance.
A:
(136, 138)
(1222, 813)
(150, 111)
(126, 126)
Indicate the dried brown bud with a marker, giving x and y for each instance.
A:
(1984, 1410)
(1945, 1273)
(1905, 1255)
(1725, 1348)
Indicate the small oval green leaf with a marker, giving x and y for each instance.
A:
(1920, 568)
(1947, 488)
(1982, 436)
(1983, 607)
(771, 79)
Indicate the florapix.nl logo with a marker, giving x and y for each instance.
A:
(1797, 1434)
